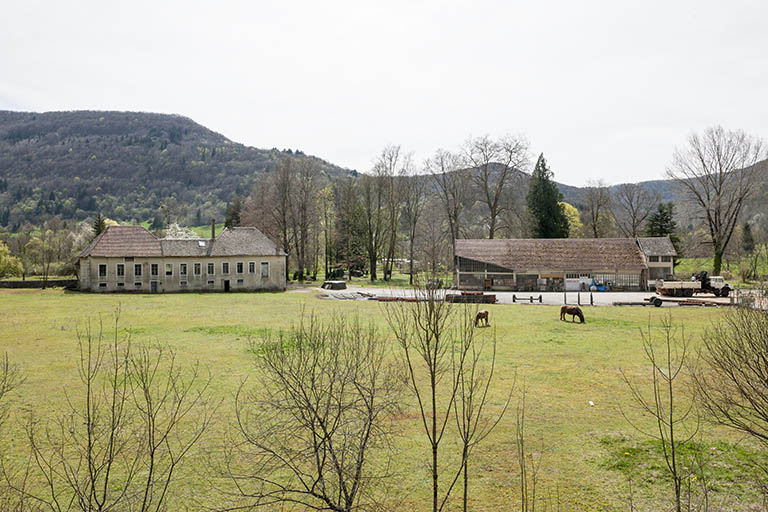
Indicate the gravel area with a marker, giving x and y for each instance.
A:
(520, 298)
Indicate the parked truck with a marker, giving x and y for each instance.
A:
(699, 283)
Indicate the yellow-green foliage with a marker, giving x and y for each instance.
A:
(10, 266)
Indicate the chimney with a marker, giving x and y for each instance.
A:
(213, 228)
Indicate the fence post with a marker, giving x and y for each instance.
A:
(514, 298)
(565, 297)
(591, 300)
(578, 298)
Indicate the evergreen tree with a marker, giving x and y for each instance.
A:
(99, 225)
(747, 240)
(234, 208)
(157, 223)
(662, 223)
(549, 217)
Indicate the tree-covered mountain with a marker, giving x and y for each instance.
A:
(130, 166)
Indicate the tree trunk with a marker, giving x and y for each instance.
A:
(718, 262)
(410, 262)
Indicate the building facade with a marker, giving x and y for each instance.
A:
(130, 258)
(558, 264)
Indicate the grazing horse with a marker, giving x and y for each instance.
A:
(574, 311)
(481, 315)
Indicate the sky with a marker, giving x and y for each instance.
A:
(605, 89)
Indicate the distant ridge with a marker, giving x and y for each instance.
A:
(127, 165)
(122, 164)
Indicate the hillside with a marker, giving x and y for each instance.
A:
(127, 165)
(123, 164)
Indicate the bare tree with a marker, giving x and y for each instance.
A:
(717, 172)
(431, 238)
(493, 163)
(733, 380)
(303, 208)
(326, 203)
(597, 209)
(633, 204)
(676, 419)
(414, 187)
(440, 347)
(374, 192)
(123, 440)
(10, 379)
(474, 381)
(326, 400)
(390, 170)
(451, 181)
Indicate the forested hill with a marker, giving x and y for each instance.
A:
(125, 165)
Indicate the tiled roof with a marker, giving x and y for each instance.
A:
(555, 253)
(136, 241)
(186, 247)
(657, 246)
(122, 241)
(244, 242)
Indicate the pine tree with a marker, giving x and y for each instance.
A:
(662, 223)
(234, 208)
(99, 225)
(549, 218)
(747, 240)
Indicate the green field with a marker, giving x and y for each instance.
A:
(587, 452)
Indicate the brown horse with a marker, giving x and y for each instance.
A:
(481, 315)
(574, 311)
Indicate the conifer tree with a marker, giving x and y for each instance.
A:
(232, 217)
(662, 223)
(99, 225)
(549, 218)
(747, 240)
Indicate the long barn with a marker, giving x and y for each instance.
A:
(557, 264)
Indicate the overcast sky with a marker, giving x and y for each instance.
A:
(606, 89)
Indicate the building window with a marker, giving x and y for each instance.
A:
(211, 269)
(102, 285)
(240, 281)
(102, 270)
(653, 259)
(666, 259)
(211, 282)
(120, 285)
(137, 284)
(182, 283)
(572, 275)
(239, 267)
(265, 270)
(120, 269)
(169, 269)
(225, 267)
(198, 268)
(182, 269)
(251, 267)
(128, 260)
(137, 270)
(154, 269)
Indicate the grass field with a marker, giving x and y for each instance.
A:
(587, 452)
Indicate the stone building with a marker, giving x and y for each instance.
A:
(557, 264)
(130, 258)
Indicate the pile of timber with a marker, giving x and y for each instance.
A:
(471, 298)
